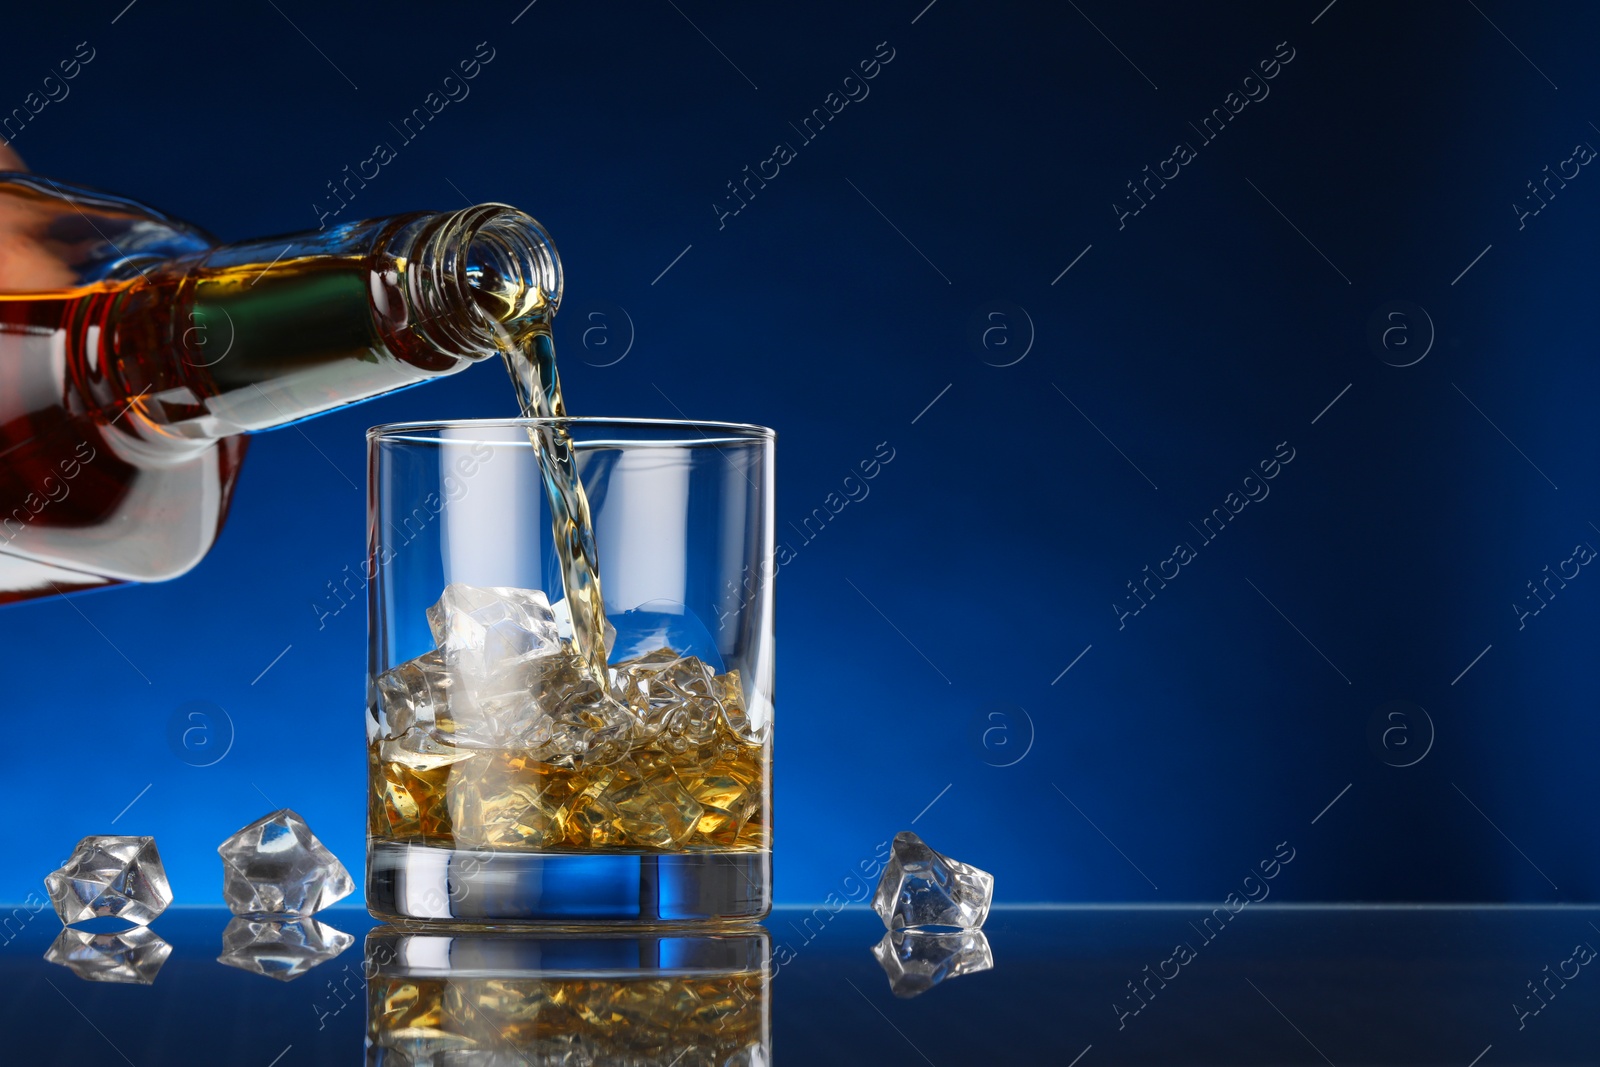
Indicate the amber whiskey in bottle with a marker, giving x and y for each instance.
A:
(137, 354)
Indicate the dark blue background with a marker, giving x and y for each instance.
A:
(991, 550)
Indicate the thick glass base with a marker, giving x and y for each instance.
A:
(409, 883)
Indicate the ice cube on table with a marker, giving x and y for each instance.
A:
(111, 875)
(921, 887)
(276, 866)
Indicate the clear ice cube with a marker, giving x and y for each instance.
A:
(509, 673)
(921, 887)
(554, 711)
(421, 750)
(415, 694)
(677, 699)
(495, 624)
(276, 866)
(132, 956)
(283, 949)
(546, 705)
(918, 960)
(649, 805)
(505, 801)
(108, 875)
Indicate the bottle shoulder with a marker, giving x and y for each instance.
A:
(55, 236)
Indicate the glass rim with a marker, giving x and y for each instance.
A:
(405, 430)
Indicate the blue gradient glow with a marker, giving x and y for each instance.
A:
(845, 305)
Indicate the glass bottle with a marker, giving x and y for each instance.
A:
(137, 354)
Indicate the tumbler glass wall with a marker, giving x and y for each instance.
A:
(508, 781)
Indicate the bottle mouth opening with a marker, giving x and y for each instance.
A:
(511, 266)
(487, 275)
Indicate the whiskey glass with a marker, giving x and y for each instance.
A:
(513, 781)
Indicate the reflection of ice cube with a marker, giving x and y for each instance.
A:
(132, 956)
(283, 949)
(918, 960)
(663, 624)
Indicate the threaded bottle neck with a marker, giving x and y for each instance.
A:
(475, 278)
(312, 322)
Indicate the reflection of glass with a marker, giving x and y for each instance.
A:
(513, 779)
(918, 960)
(133, 955)
(620, 998)
(280, 948)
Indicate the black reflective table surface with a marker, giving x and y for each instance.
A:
(1069, 986)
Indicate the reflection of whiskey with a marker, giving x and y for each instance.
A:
(139, 355)
(613, 998)
(696, 1021)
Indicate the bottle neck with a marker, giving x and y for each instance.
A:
(476, 278)
(260, 334)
